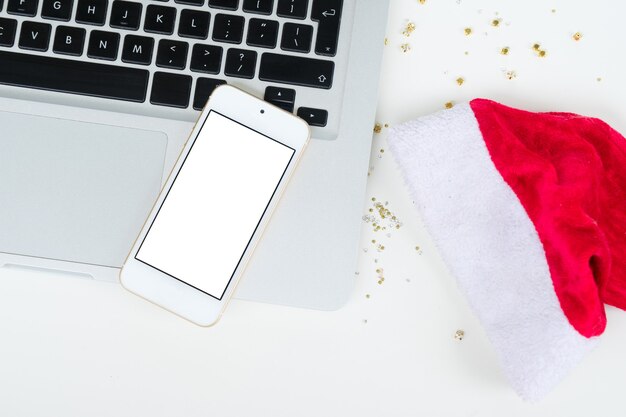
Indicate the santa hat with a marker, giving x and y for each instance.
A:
(528, 211)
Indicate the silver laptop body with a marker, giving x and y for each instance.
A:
(79, 173)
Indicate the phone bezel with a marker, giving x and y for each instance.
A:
(172, 294)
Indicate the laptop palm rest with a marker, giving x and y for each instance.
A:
(75, 191)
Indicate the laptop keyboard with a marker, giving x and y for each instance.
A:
(172, 53)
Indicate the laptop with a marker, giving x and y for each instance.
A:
(98, 96)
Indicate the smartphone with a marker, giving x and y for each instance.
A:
(214, 206)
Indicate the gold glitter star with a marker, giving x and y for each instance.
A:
(495, 23)
(577, 36)
(386, 41)
(460, 81)
(405, 47)
(422, 1)
(536, 46)
(505, 50)
(459, 334)
(541, 53)
(377, 129)
(468, 31)
(449, 105)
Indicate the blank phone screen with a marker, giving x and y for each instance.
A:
(215, 204)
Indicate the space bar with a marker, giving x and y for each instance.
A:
(75, 77)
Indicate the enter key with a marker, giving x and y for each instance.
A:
(328, 14)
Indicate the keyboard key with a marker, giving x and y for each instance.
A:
(314, 117)
(170, 89)
(69, 40)
(263, 33)
(228, 28)
(192, 2)
(204, 88)
(206, 58)
(194, 24)
(103, 45)
(296, 38)
(240, 63)
(224, 4)
(137, 49)
(172, 54)
(7, 31)
(296, 9)
(91, 12)
(57, 9)
(284, 98)
(35, 36)
(23, 7)
(125, 15)
(328, 14)
(70, 76)
(258, 6)
(296, 70)
(160, 19)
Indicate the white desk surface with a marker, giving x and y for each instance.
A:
(74, 347)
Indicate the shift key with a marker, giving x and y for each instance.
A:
(297, 70)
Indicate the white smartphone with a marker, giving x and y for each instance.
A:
(213, 208)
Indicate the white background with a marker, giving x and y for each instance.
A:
(72, 347)
(195, 237)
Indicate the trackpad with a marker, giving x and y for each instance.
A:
(75, 191)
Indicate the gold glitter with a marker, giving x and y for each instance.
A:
(382, 151)
(405, 47)
(367, 296)
(505, 50)
(460, 81)
(417, 248)
(540, 52)
(468, 31)
(386, 124)
(495, 22)
(386, 41)
(381, 277)
(510, 74)
(381, 218)
(577, 36)
(422, 1)
(449, 105)
(459, 334)
(410, 28)
(378, 128)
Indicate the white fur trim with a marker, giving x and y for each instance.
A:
(490, 245)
